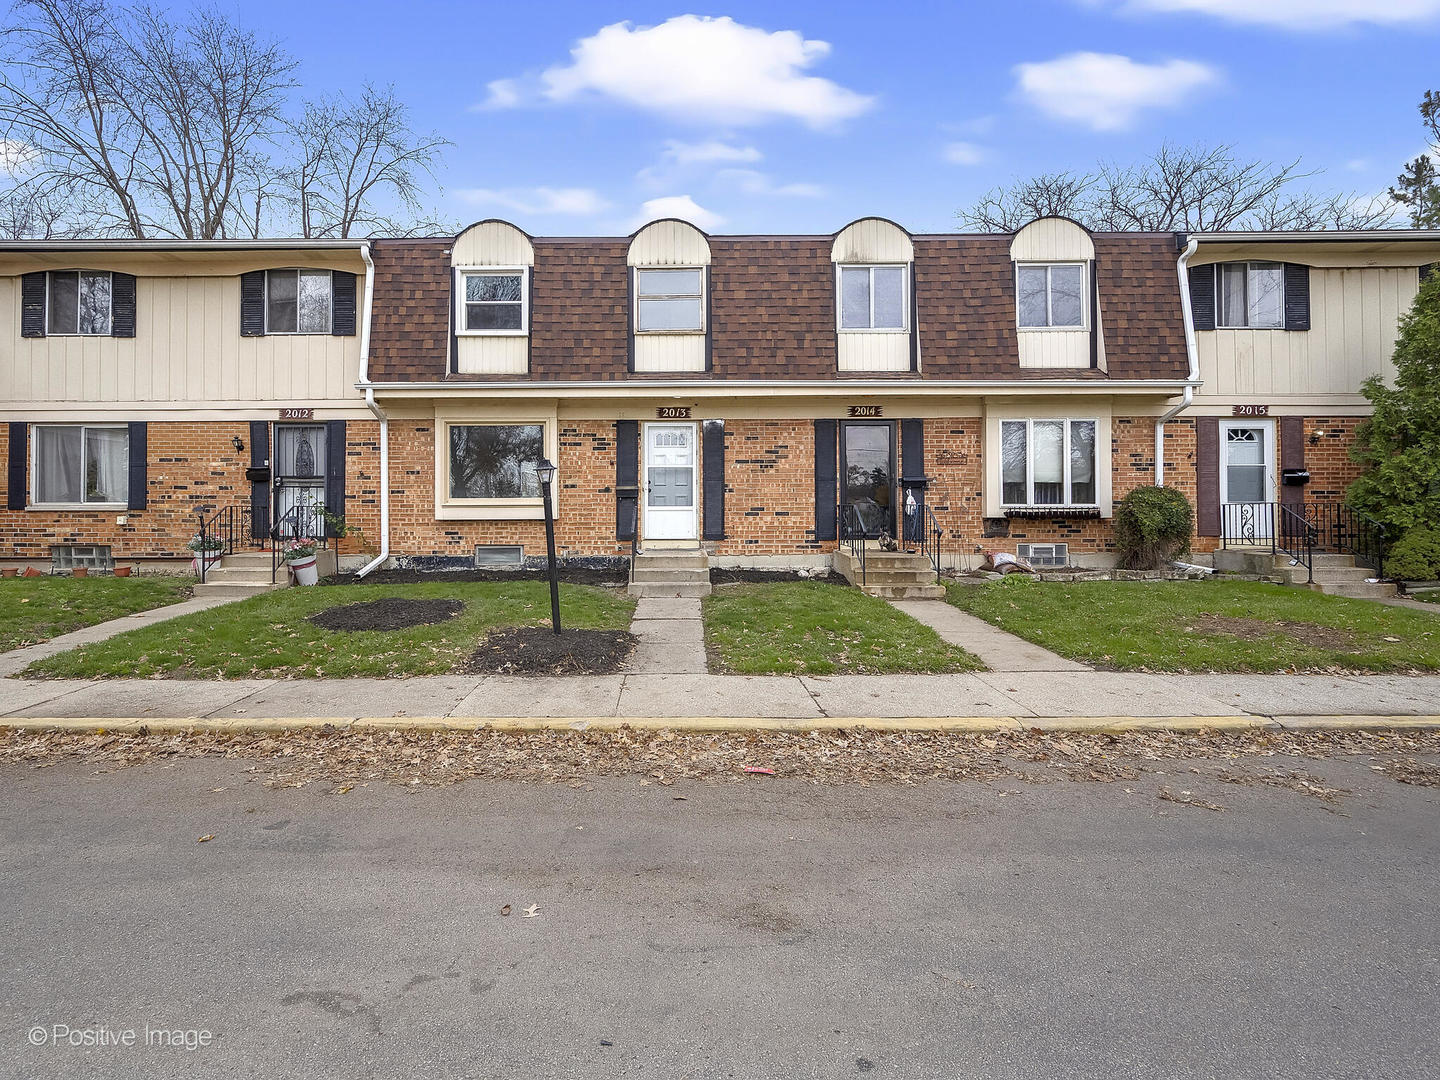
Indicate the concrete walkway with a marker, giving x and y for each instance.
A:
(17, 660)
(1001, 651)
(672, 637)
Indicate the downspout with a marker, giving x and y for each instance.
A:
(374, 407)
(1191, 351)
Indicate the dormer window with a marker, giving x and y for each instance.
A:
(873, 298)
(670, 300)
(493, 301)
(78, 302)
(298, 301)
(1050, 296)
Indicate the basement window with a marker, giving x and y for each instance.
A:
(499, 556)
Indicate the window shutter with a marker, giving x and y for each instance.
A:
(259, 489)
(713, 472)
(912, 452)
(334, 472)
(122, 305)
(342, 310)
(627, 475)
(15, 473)
(32, 304)
(1207, 475)
(1202, 297)
(139, 472)
(252, 304)
(1297, 296)
(825, 488)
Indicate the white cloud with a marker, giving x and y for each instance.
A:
(540, 200)
(752, 182)
(503, 94)
(1298, 14)
(706, 70)
(1106, 91)
(682, 158)
(17, 157)
(677, 206)
(964, 153)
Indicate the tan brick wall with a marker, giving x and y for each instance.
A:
(1327, 455)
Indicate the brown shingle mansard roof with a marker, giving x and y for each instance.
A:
(772, 309)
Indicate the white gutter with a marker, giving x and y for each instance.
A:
(182, 245)
(1191, 350)
(631, 388)
(380, 415)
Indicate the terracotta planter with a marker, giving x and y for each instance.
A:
(9, 571)
(30, 571)
(123, 571)
(80, 571)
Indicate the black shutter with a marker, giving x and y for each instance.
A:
(259, 489)
(15, 474)
(32, 304)
(139, 474)
(627, 475)
(825, 488)
(122, 305)
(1207, 475)
(912, 452)
(713, 473)
(342, 311)
(1426, 271)
(334, 472)
(252, 304)
(1202, 297)
(1297, 296)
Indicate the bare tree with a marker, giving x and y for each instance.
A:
(1188, 189)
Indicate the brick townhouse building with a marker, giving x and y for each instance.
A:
(756, 397)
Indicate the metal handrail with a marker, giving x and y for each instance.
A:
(931, 537)
(220, 526)
(1297, 539)
(851, 525)
(302, 521)
(1305, 528)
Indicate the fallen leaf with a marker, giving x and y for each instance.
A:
(505, 910)
(207, 836)
(755, 770)
(530, 912)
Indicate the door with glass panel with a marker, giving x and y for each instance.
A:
(670, 482)
(299, 478)
(1247, 479)
(867, 480)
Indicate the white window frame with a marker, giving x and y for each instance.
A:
(1030, 422)
(518, 509)
(636, 271)
(297, 332)
(1083, 325)
(1220, 323)
(493, 271)
(77, 332)
(83, 504)
(903, 328)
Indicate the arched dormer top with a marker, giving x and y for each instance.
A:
(1052, 239)
(668, 242)
(872, 240)
(492, 242)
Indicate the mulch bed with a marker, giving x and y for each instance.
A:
(1323, 637)
(538, 650)
(731, 575)
(391, 613)
(576, 575)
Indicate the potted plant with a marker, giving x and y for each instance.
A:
(208, 548)
(122, 571)
(299, 556)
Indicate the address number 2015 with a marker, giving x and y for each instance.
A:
(1252, 410)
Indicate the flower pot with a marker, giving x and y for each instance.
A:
(80, 571)
(212, 559)
(305, 570)
(9, 571)
(123, 571)
(30, 571)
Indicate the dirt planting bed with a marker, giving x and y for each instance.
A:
(1324, 637)
(391, 613)
(538, 650)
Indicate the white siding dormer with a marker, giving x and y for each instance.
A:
(491, 263)
(1055, 319)
(669, 266)
(874, 296)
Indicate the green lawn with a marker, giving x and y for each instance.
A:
(1206, 625)
(38, 609)
(1426, 596)
(808, 628)
(269, 635)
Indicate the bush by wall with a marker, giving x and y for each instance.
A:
(1152, 527)
(1415, 556)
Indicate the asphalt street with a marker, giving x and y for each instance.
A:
(766, 928)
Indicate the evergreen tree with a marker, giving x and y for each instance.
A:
(1418, 187)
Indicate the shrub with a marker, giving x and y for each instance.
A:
(1415, 556)
(1152, 527)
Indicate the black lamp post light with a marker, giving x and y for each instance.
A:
(546, 471)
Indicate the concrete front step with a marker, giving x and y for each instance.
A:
(1361, 591)
(1340, 575)
(905, 592)
(242, 575)
(900, 577)
(672, 560)
(680, 575)
(235, 588)
(666, 588)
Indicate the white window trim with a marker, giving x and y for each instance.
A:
(110, 325)
(635, 272)
(1083, 326)
(522, 509)
(523, 271)
(1029, 422)
(34, 504)
(903, 328)
(1220, 324)
(297, 332)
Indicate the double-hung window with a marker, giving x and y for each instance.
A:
(493, 301)
(78, 302)
(874, 298)
(1047, 462)
(299, 301)
(1050, 296)
(78, 465)
(670, 300)
(1250, 294)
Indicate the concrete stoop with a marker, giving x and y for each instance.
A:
(891, 575)
(662, 572)
(245, 573)
(1334, 575)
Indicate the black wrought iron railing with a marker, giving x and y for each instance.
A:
(220, 534)
(1297, 538)
(853, 533)
(231, 528)
(1302, 530)
(303, 521)
(931, 536)
(921, 531)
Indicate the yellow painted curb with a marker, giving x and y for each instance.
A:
(1355, 723)
(1247, 722)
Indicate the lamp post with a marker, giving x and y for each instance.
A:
(546, 472)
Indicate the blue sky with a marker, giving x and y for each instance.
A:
(800, 117)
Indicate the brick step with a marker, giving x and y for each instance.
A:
(905, 592)
(663, 589)
(680, 575)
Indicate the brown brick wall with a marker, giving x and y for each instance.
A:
(770, 488)
(1327, 455)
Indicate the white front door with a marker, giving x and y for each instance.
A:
(1247, 479)
(669, 482)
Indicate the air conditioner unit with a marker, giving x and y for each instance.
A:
(1044, 554)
